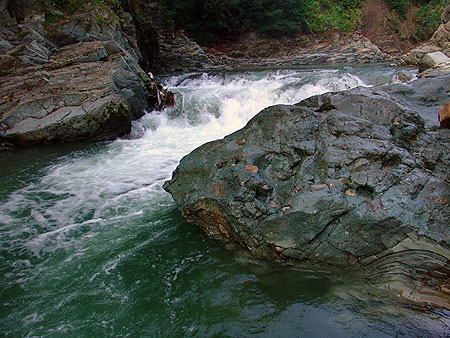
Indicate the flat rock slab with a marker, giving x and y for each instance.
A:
(432, 60)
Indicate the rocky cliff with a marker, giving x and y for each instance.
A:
(166, 49)
(75, 78)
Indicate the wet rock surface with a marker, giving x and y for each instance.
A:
(350, 179)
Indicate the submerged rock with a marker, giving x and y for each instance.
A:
(349, 179)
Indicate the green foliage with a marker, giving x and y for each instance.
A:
(112, 4)
(59, 9)
(207, 19)
(425, 6)
(399, 6)
(68, 6)
(329, 15)
(100, 20)
(55, 10)
(282, 17)
(428, 18)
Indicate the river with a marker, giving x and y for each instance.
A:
(92, 246)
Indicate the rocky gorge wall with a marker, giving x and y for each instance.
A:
(77, 78)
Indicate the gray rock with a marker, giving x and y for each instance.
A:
(181, 53)
(404, 76)
(35, 53)
(8, 63)
(60, 101)
(424, 96)
(112, 47)
(4, 45)
(101, 119)
(84, 27)
(97, 55)
(432, 60)
(415, 55)
(343, 179)
(33, 36)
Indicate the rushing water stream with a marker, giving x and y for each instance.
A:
(91, 246)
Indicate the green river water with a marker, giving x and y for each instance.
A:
(91, 246)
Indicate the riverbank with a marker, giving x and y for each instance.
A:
(348, 49)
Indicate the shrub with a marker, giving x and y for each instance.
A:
(428, 18)
(58, 9)
(399, 6)
(68, 6)
(206, 19)
(330, 15)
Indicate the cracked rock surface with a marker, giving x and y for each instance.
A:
(61, 101)
(70, 80)
(350, 179)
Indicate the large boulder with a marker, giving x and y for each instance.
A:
(349, 179)
(62, 101)
(73, 79)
